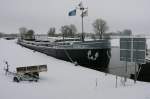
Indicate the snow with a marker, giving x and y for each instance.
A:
(115, 42)
(148, 43)
(63, 80)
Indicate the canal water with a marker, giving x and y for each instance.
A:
(122, 68)
(118, 67)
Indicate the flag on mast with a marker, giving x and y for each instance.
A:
(80, 4)
(85, 13)
(72, 13)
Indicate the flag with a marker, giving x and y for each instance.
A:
(85, 13)
(72, 13)
(80, 5)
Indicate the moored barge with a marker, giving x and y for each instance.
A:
(91, 54)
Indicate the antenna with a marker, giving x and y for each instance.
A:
(84, 12)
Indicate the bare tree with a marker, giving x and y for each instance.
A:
(30, 35)
(73, 29)
(51, 31)
(127, 32)
(65, 30)
(100, 27)
(22, 31)
(1, 34)
(68, 30)
(30, 32)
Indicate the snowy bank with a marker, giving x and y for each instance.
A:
(63, 80)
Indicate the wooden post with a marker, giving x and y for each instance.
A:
(96, 82)
(116, 81)
(7, 68)
(135, 78)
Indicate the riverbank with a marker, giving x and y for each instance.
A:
(63, 80)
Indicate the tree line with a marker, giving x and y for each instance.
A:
(100, 27)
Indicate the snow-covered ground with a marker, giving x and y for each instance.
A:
(63, 80)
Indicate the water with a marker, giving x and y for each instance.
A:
(118, 67)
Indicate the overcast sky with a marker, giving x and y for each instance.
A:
(40, 15)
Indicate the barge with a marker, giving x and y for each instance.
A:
(90, 54)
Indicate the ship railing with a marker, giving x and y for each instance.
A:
(39, 43)
(94, 44)
(63, 46)
(102, 44)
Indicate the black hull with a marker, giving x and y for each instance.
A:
(144, 74)
(84, 57)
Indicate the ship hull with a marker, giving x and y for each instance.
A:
(144, 72)
(97, 59)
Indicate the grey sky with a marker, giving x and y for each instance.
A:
(40, 15)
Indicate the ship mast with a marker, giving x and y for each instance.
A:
(84, 12)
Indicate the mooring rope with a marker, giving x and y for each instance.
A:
(67, 54)
(139, 71)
